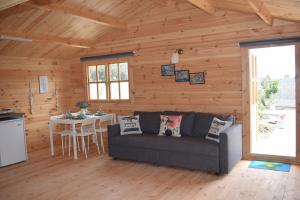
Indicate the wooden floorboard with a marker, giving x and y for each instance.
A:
(46, 177)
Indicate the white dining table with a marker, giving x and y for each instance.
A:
(59, 119)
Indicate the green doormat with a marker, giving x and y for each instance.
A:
(283, 167)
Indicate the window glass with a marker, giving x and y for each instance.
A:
(123, 71)
(93, 91)
(113, 70)
(102, 91)
(92, 74)
(124, 89)
(101, 73)
(108, 81)
(114, 91)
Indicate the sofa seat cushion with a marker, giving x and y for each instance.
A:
(185, 144)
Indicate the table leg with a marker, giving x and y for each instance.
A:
(114, 118)
(51, 138)
(74, 141)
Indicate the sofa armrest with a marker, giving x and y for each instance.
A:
(231, 147)
(113, 130)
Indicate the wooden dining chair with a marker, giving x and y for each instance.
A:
(101, 129)
(87, 128)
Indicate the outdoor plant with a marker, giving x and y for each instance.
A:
(268, 88)
(82, 104)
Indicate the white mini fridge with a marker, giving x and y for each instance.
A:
(12, 142)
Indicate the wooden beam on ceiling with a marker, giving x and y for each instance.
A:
(46, 2)
(164, 2)
(5, 4)
(261, 10)
(47, 39)
(204, 5)
(83, 13)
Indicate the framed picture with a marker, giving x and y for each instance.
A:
(43, 83)
(197, 78)
(168, 70)
(182, 76)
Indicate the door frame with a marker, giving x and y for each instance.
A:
(246, 107)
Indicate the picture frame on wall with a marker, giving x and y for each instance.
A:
(197, 78)
(168, 70)
(182, 76)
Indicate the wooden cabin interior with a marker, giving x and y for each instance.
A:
(61, 40)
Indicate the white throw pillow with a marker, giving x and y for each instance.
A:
(129, 125)
(217, 126)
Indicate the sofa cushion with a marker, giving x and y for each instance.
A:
(170, 125)
(184, 144)
(203, 122)
(187, 122)
(149, 121)
(217, 127)
(129, 125)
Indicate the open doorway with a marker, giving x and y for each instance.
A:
(273, 101)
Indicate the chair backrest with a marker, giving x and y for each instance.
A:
(88, 122)
(108, 117)
(88, 125)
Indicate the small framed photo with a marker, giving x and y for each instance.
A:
(197, 78)
(182, 76)
(43, 83)
(168, 70)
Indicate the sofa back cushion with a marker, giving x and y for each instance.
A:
(203, 122)
(149, 121)
(187, 122)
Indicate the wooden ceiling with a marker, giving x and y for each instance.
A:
(64, 28)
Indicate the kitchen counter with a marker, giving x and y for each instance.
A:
(10, 116)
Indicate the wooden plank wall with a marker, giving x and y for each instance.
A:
(210, 44)
(65, 88)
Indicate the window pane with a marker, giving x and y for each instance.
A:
(93, 91)
(114, 91)
(92, 74)
(102, 91)
(124, 89)
(123, 71)
(113, 69)
(101, 73)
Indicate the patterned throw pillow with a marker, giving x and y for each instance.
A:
(129, 125)
(170, 125)
(217, 126)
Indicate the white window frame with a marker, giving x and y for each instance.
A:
(107, 82)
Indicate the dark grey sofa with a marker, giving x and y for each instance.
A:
(190, 151)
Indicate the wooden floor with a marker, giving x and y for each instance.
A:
(44, 177)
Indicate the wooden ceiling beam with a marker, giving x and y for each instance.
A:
(261, 10)
(5, 4)
(83, 13)
(47, 39)
(46, 2)
(164, 2)
(204, 5)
